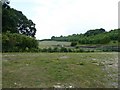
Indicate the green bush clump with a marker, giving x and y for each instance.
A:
(13, 42)
(73, 44)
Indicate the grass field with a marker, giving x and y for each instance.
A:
(43, 70)
(112, 46)
(44, 44)
(47, 44)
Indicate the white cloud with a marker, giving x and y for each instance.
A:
(64, 17)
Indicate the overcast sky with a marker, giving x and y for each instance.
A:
(66, 17)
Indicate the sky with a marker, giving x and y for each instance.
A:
(67, 17)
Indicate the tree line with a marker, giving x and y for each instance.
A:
(96, 36)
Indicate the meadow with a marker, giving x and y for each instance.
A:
(47, 44)
(63, 46)
(60, 70)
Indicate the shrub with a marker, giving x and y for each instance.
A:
(81, 50)
(80, 63)
(13, 42)
(73, 44)
(63, 49)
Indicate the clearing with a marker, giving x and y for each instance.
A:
(67, 70)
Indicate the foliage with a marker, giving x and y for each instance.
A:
(94, 32)
(97, 39)
(5, 3)
(63, 49)
(97, 36)
(73, 43)
(16, 22)
(18, 32)
(114, 34)
(15, 42)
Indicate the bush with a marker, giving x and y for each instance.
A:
(13, 42)
(63, 49)
(81, 50)
(73, 44)
(56, 49)
(44, 50)
(69, 50)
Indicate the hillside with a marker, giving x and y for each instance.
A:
(97, 36)
(91, 41)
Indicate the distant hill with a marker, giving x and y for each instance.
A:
(96, 36)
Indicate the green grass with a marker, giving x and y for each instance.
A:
(47, 44)
(43, 70)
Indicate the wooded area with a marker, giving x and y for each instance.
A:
(97, 36)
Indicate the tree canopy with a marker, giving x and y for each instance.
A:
(97, 36)
(15, 21)
(18, 31)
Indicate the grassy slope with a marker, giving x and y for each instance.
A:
(50, 69)
(46, 44)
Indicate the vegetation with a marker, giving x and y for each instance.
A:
(58, 70)
(13, 42)
(44, 70)
(97, 36)
(73, 43)
(16, 22)
(56, 46)
(92, 41)
(19, 36)
(18, 32)
(95, 32)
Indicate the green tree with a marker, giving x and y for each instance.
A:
(94, 32)
(16, 22)
(5, 3)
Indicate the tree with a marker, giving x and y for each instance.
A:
(5, 3)
(94, 32)
(16, 22)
